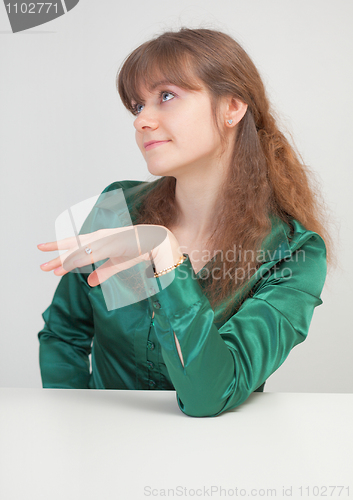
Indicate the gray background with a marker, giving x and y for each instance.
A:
(64, 136)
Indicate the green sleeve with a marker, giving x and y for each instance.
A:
(65, 340)
(222, 367)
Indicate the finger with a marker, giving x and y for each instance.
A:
(81, 258)
(104, 272)
(101, 248)
(48, 247)
(101, 275)
(110, 268)
(72, 242)
(52, 264)
(60, 271)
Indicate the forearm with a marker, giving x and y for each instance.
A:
(199, 362)
(65, 340)
(61, 365)
(204, 374)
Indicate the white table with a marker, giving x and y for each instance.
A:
(112, 445)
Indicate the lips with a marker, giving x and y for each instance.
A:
(149, 144)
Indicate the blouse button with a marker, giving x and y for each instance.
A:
(150, 364)
(150, 345)
(152, 384)
(157, 305)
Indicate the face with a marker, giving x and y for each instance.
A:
(183, 121)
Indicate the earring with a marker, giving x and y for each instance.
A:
(230, 122)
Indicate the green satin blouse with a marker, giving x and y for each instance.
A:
(225, 360)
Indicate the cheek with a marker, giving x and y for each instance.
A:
(206, 136)
(200, 125)
(139, 142)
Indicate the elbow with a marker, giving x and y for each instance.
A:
(206, 409)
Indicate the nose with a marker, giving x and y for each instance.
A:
(146, 118)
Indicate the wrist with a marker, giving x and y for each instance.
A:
(157, 274)
(167, 255)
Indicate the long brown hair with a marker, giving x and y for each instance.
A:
(266, 174)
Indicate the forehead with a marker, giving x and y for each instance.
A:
(154, 77)
(144, 90)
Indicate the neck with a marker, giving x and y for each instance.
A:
(197, 200)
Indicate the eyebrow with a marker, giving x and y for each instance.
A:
(159, 84)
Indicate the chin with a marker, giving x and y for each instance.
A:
(159, 170)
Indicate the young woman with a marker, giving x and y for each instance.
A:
(233, 229)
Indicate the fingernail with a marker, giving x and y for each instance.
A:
(43, 265)
(41, 244)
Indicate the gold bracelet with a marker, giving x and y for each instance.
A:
(168, 269)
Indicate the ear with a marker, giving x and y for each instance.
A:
(235, 109)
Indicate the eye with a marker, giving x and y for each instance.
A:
(166, 92)
(135, 109)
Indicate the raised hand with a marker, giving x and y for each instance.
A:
(123, 247)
